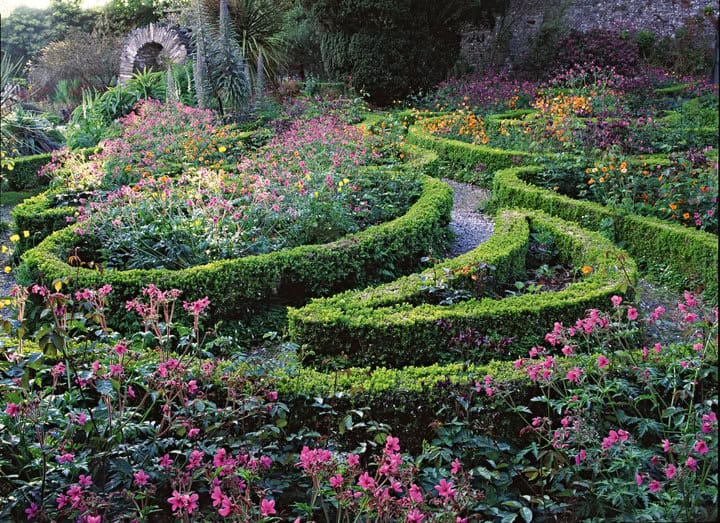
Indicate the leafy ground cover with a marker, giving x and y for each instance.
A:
(179, 419)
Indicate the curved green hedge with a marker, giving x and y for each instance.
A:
(391, 326)
(653, 241)
(240, 286)
(466, 156)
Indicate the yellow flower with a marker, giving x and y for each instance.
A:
(586, 269)
(15, 238)
(26, 234)
(222, 148)
(9, 167)
(7, 269)
(3, 249)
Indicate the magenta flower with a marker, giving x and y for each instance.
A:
(573, 375)
(336, 481)
(66, 457)
(267, 507)
(667, 447)
(580, 457)
(691, 463)
(415, 494)
(12, 409)
(31, 511)
(616, 301)
(455, 466)
(140, 478)
(632, 314)
(392, 444)
(654, 485)
(638, 479)
(670, 471)
(701, 447)
(414, 516)
(366, 481)
(445, 489)
(602, 361)
(353, 460)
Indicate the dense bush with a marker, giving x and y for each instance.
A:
(411, 321)
(390, 48)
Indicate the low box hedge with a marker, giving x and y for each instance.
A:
(24, 175)
(240, 286)
(652, 241)
(391, 326)
(472, 163)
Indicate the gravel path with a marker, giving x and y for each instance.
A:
(471, 227)
(6, 280)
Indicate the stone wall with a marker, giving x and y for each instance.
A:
(506, 42)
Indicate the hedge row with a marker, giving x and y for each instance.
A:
(652, 241)
(473, 163)
(393, 325)
(24, 175)
(241, 286)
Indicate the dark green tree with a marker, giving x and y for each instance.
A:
(391, 48)
(27, 30)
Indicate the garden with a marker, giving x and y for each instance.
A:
(308, 276)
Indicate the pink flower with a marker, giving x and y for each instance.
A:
(610, 440)
(66, 457)
(32, 511)
(691, 463)
(623, 435)
(85, 481)
(632, 314)
(638, 479)
(353, 460)
(267, 507)
(176, 501)
(654, 485)
(336, 481)
(602, 361)
(455, 466)
(93, 519)
(140, 478)
(616, 301)
(667, 447)
(580, 457)
(445, 489)
(573, 375)
(366, 482)
(165, 461)
(414, 516)
(670, 471)
(701, 447)
(392, 444)
(12, 409)
(415, 494)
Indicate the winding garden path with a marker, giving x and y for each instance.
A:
(470, 226)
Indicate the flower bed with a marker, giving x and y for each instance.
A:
(291, 275)
(393, 325)
(694, 254)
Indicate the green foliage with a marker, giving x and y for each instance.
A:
(28, 30)
(396, 324)
(690, 252)
(390, 48)
(244, 285)
(24, 175)
(91, 121)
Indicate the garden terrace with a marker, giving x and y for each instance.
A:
(393, 325)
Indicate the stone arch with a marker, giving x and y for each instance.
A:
(142, 48)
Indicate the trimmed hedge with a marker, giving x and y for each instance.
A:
(653, 241)
(246, 285)
(24, 175)
(391, 326)
(466, 157)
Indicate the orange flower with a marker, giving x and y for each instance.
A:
(586, 269)
(591, 181)
(686, 215)
(673, 207)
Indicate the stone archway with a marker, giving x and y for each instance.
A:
(142, 48)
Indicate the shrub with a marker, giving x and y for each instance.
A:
(390, 48)
(292, 275)
(395, 325)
